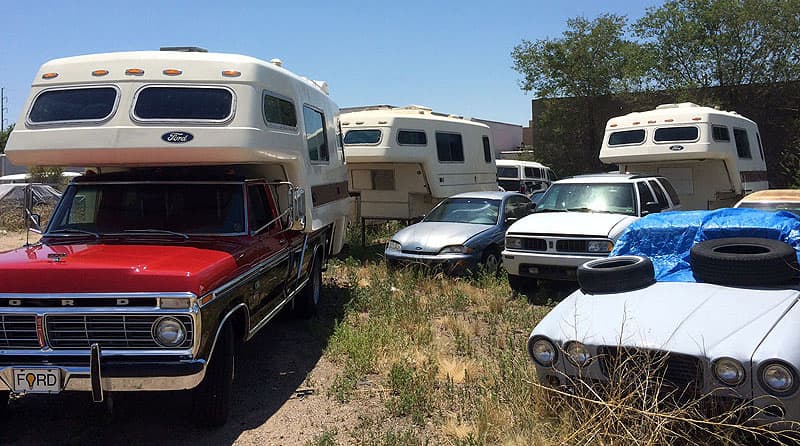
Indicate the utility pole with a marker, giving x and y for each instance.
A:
(3, 109)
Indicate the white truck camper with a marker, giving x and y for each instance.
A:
(403, 160)
(711, 157)
(119, 111)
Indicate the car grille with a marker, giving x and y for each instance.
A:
(572, 245)
(109, 331)
(18, 331)
(427, 253)
(683, 373)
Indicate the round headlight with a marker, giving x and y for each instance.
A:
(578, 354)
(729, 371)
(169, 332)
(542, 351)
(778, 378)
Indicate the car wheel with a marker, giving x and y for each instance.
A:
(616, 274)
(744, 261)
(307, 301)
(212, 398)
(491, 260)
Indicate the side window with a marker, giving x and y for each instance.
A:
(673, 194)
(411, 138)
(644, 194)
(449, 147)
(660, 195)
(742, 143)
(487, 150)
(551, 175)
(516, 207)
(529, 173)
(315, 134)
(720, 133)
(260, 210)
(279, 111)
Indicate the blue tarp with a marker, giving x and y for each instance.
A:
(667, 238)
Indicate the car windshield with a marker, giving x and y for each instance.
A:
(482, 211)
(772, 206)
(168, 209)
(597, 197)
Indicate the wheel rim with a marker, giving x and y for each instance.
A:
(492, 263)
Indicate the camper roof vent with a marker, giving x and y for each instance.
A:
(184, 49)
(323, 85)
(277, 62)
(681, 105)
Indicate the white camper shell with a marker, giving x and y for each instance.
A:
(169, 108)
(403, 161)
(712, 157)
(525, 177)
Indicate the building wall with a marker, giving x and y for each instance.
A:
(505, 136)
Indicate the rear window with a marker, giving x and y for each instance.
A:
(184, 103)
(411, 138)
(626, 137)
(666, 134)
(362, 137)
(73, 104)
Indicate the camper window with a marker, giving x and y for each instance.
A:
(279, 111)
(160, 103)
(671, 134)
(74, 104)
(742, 143)
(720, 133)
(411, 138)
(487, 150)
(315, 134)
(449, 147)
(370, 137)
(626, 137)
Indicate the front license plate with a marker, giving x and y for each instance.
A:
(37, 380)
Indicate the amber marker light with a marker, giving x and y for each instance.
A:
(613, 125)
(49, 75)
(668, 120)
(99, 72)
(651, 122)
(697, 118)
(231, 73)
(134, 71)
(636, 122)
(172, 72)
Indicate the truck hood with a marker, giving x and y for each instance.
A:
(693, 318)
(433, 236)
(573, 223)
(103, 268)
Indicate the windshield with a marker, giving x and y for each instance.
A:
(482, 211)
(773, 206)
(193, 208)
(612, 198)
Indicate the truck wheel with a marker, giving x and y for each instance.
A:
(212, 398)
(522, 285)
(744, 261)
(616, 274)
(307, 300)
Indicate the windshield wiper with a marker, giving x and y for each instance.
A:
(152, 231)
(538, 211)
(597, 211)
(66, 232)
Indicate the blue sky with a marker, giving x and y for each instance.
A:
(451, 56)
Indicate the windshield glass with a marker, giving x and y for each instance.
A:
(773, 206)
(614, 198)
(480, 211)
(195, 208)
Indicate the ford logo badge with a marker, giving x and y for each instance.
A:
(676, 148)
(177, 137)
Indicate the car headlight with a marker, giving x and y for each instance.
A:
(542, 351)
(599, 246)
(729, 371)
(456, 249)
(513, 243)
(169, 332)
(578, 354)
(778, 377)
(393, 246)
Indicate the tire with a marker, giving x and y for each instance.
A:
(491, 260)
(744, 261)
(212, 398)
(522, 285)
(616, 274)
(307, 300)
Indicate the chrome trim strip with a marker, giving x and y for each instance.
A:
(275, 310)
(222, 324)
(247, 275)
(79, 378)
(96, 295)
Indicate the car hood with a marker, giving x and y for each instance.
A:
(693, 318)
(105, 268)
(432, 236)
(573, 223)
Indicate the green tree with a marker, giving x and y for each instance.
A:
(4, 133)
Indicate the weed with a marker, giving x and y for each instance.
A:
(411, 391)
(326, 438)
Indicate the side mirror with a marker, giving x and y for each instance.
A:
(298, 200)
(531, 207)
(651, 207)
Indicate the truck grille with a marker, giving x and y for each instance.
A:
(18, 331)
(109, 331)
(572, 245)
(683, 373)
(534, 244)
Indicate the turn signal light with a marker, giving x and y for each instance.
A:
(172, 72)
(134, 71)
(49, 75)
(99, 72)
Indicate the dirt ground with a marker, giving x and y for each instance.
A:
(280, 397)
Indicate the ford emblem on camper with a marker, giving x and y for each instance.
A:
(177, 137)
(675, 148)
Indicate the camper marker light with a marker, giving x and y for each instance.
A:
(172, 72)
(231, 73)
(612, 125)
(636, 123)
(651, 122)
(49, 75)
(134, 71)
(697, 118)
(669, 120)
(99, 72)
